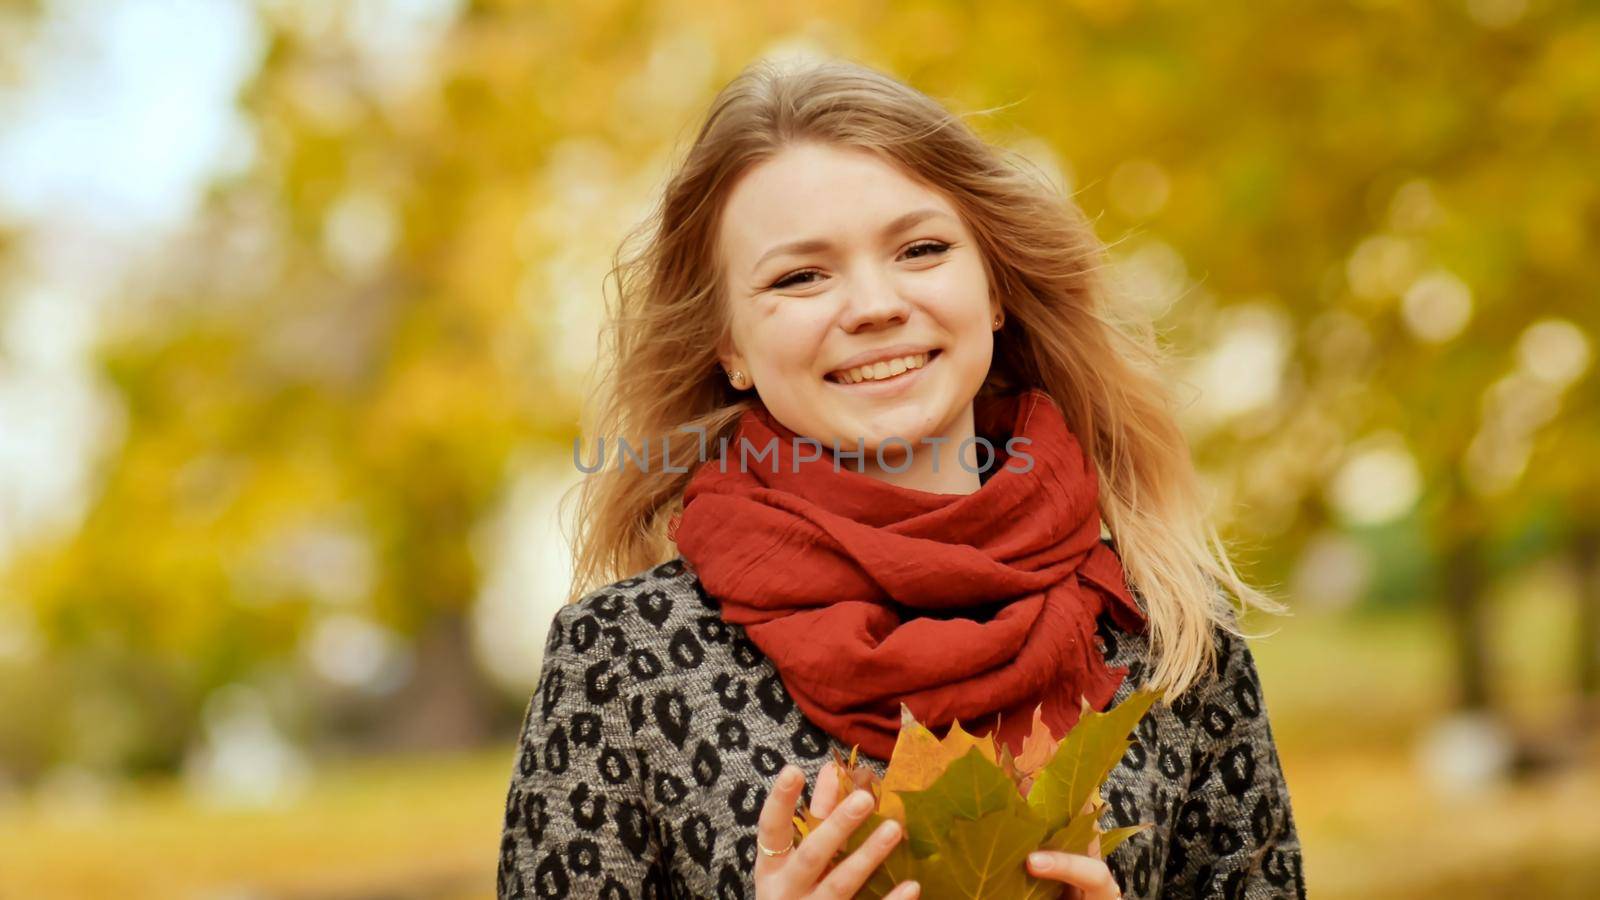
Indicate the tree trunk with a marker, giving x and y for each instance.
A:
(1464, 595)
(446, 703)
(1586, 552)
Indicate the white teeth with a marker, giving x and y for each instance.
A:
(880, 370)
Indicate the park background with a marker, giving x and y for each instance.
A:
(298, 299)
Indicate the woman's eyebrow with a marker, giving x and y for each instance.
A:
(812, 245)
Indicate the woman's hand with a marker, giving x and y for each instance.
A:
(1087, 877)
(795, 874)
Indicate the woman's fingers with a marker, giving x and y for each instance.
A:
(848, 876)
(825, 796)
(808, 861)
(1090, 876)
(775, 827)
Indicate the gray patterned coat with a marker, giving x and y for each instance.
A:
(656, 729)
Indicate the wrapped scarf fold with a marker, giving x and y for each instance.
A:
(972, 607)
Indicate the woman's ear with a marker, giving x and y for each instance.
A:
(737, 375)
(733, 366)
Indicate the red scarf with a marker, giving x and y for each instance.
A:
(841, 579)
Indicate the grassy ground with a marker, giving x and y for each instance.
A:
(1350, 700)
(408, 829)
(1347, 698)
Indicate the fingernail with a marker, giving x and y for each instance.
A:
(859, 802)
(1039, 861)
(790, 774)
(916, 889)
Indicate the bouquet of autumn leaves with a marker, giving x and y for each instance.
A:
(971, 813)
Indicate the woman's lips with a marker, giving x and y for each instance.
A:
(892, 384)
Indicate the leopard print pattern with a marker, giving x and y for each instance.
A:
(655, 730)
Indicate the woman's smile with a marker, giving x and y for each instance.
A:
(883, 378)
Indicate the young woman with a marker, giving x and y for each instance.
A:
(848, 300)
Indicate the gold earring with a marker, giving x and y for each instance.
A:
(997, 320)
(737, 377)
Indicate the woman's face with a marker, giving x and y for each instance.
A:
(835, 258)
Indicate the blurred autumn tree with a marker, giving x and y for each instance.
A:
(1376, 247)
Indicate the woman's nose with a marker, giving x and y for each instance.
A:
(874, 303)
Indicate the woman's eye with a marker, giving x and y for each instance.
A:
(786, 281)
(789, 280)
(931, 246)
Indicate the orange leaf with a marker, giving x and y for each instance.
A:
(919, 757)
(1038, 746)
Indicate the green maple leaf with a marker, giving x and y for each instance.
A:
(1086, 756)
(985, 858)
(973, 858)
(970, 788)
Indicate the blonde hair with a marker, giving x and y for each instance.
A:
(660, 373)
